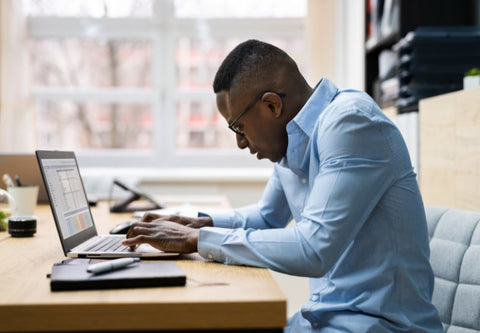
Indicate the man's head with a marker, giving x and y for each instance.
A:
(259, 90)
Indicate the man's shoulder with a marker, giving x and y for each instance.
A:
(351, 102)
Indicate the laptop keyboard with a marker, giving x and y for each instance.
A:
(107, 244)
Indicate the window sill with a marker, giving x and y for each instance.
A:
(181, 175)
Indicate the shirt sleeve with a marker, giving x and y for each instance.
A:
(272, 211)
(355, 168)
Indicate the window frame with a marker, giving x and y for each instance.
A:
(163, 30)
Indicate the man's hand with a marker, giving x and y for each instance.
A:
(192, 222)
(163, 235)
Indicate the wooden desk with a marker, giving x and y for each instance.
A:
(216, 296)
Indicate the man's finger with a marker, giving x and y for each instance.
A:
(134, 240)
(148, 217)
(135, 227)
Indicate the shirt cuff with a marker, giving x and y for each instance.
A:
(209, 244)
(223, 219)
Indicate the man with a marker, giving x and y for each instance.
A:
(343, 173)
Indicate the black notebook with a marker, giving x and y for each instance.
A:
(71, 274)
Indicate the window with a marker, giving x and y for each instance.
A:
(128, 82)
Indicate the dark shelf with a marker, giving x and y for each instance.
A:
(412, 14)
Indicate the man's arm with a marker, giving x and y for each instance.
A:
(272, 211)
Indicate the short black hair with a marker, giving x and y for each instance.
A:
(248, 59)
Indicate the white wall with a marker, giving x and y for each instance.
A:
(350, 52)
(335, 33)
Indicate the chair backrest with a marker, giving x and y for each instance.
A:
(455, 258)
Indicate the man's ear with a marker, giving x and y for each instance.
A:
(274, 103)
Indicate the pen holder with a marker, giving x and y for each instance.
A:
(22, 200)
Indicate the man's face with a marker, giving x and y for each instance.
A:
(262, 126)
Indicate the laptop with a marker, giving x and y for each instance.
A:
(23, 165)
(73, 218)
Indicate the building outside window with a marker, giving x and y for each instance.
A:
(128, 82)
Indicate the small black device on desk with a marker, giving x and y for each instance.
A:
(122, 228)
(126, 205)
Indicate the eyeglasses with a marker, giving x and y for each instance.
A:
(244, 112)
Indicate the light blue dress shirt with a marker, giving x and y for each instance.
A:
(360, 231)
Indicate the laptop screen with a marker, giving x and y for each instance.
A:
(67, 195)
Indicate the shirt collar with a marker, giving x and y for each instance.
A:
(323, 94)
(300, 128)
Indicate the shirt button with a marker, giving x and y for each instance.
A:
(304, 181)
(314, 298)
(210, 256)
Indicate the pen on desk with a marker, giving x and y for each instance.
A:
(8, 180)
(111, 265)
(18, 181)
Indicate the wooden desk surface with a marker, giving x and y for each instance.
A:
(216, 295)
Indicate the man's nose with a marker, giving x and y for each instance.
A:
(242, 142)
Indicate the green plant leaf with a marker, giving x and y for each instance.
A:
(3, 222)
(473, 72)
